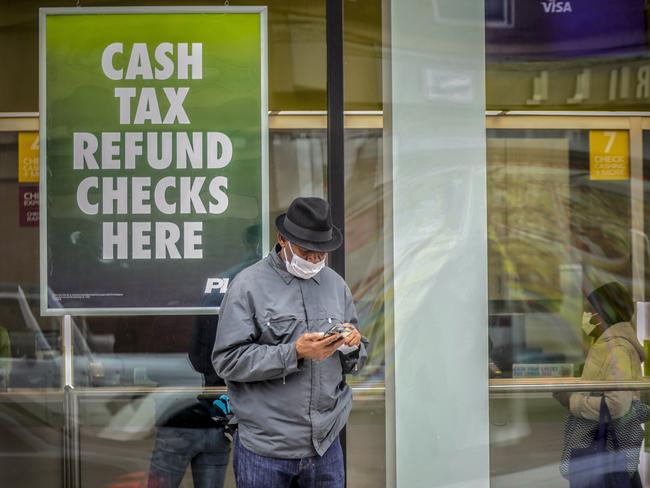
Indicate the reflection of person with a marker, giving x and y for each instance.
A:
(615, 355)
(284, 376)
(194, 434)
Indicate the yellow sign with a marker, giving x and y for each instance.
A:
(609, 155)
(28, 166)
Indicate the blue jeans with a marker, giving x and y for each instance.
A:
(255, 471)
(175, 448)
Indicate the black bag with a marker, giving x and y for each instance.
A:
(580, 433)
(596, 466)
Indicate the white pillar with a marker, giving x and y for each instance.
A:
(435, 117)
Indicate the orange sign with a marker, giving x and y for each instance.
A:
(28, 153)
(609, 155)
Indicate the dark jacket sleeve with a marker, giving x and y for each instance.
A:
(355, 360)
(201, 345)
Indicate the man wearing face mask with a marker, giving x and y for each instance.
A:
(283, 371)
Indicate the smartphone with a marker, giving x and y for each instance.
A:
(339, 329)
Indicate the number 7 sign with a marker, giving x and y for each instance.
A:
(609, 155)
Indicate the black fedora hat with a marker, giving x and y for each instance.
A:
(308, 223)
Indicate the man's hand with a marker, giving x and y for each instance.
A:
(353, 339)
(313, 345)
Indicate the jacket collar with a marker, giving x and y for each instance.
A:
(277, 263)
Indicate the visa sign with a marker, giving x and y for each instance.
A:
(555, 7)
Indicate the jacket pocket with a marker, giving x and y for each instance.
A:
(279, 329)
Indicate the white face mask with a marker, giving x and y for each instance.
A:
(301, 268)
(588, 325)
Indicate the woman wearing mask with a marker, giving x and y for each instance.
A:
(615, 355)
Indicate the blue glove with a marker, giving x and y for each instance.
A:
(222, 404)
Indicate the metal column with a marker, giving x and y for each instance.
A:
(335, 133)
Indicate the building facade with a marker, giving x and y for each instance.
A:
(487, 163)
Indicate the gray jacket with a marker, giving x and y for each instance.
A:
(285, 407)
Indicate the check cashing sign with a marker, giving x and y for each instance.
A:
(153, 156)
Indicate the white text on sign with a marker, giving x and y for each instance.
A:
(106, 194)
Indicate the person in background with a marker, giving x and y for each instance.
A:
(284, 374)
(615, 355)
(192, 433)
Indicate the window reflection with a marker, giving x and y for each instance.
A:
(554, 29)
(553, 232)
(153, 351)
(364, 240)
(567, 55)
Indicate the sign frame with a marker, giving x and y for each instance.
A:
(44, 13)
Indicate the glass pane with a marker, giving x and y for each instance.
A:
(163, 439)
(146, 351)
(531, 435)
(366, 442)
(555, 234)
(362, 55)
(298, 167)
(364, 240)
(526, 439)
(30, 345)
(567, 55)
(296, 37)
(122, 436)
(31, 427)
(118, 430)
(567, 244)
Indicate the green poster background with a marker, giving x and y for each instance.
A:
(76, 96)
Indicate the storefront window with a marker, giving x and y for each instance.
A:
(554, 232)
(566, 216)
(130, 376)
(496, 158)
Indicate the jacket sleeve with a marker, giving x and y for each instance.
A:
(617, 367)
(236, 355)
(203, 335)
(355, 360)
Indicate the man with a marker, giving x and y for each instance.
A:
(284, 374)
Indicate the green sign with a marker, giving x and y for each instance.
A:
(153, 156)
